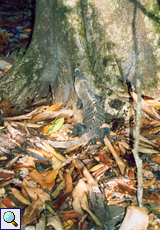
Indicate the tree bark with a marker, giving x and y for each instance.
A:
(50, 59)
(107, 40)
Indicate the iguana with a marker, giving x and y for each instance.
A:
(93, 115)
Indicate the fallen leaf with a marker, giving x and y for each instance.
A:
(19, 196)
(55, 107)
(55, 222)
(145, 107)
(147, 150)
(51, 176)
(86, 173)
(156, 160)
(69, 214)
(2, 192)
(119, 161)
(149, 183)
(41, 224)
(68, 183)
(61, 185)
(55, 126)
(51, 114)
(38, 178)
(53, 151)
(56, 163)
(30, 214)
(85, 206)
(135, 218)
(9, 203)
(45, 128)
(77, 196)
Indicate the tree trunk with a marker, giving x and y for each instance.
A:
(111, 41)
(50, 59)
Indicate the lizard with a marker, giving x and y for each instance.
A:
(93, 115)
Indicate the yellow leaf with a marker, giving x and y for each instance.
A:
(55, 107)
(51, 176)
(53, 151)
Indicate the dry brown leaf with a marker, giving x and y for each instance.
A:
(19, 196)
(51, 176)
(61, 185)
(132, 132)
(135, 218)
(53, 151)
(14, 132)
(55, 222)
(45, 128)
(69, 214)
(85, 206)
(30, 183)
(120, 163)
(11, 112)
(25, 194)
(38, 178)
(51, 185)
(68, 183)
(156, 160)
(51, 114)
(5, 103)
(9, 203)
(32, 192)
(41, 224)
(125, 145)
(154, 103)
(96, 167)
(27, 160)
(45, 153)
(60, 135)
(145, 107)
(30, 213)
(77, 196)
(149, 183)
(56, 163)
(88, 176)
(100, 171)
(147, 150)
(26, 116)
(35, 151)
(12, 162)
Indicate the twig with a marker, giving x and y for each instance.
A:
(135, 150)
(119, 161)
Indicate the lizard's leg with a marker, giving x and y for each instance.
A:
(102, 133)
(78, 128)
(79, 103)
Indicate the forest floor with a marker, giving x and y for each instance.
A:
(86, 187)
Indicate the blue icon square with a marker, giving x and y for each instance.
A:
(10, 218)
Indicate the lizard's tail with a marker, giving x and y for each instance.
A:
(67, 144)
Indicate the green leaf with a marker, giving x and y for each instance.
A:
(21, 53)
(22, 50)
(105, 147)
(55, 126)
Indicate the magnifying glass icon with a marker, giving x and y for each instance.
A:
(9, 217)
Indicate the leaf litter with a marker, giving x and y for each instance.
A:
(83, 186)
(58, 189)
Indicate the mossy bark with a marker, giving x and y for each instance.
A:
(49, 60)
